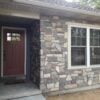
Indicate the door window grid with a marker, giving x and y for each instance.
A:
(13, 37)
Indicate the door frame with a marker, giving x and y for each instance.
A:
(2, 47)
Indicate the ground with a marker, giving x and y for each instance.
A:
(86, 95)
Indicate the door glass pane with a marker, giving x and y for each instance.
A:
(8, 34)
(13, 37)
(17, 38)
(8, 38)
(13, 34)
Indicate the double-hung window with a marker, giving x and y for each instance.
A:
(84, 46)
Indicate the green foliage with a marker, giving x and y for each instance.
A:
(93, 3)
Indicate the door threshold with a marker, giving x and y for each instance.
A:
(9, 80)
(14, 77)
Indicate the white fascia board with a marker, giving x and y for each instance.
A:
(19, 13)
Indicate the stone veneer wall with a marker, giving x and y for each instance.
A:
(35, 53)
(55, 75)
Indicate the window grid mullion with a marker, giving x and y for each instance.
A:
(88, 47)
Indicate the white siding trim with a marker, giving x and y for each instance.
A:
(88, 47)
(69, 46)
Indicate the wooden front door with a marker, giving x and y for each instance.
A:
(13, 51)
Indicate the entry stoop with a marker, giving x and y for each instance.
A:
(35, 97)
(24, 91)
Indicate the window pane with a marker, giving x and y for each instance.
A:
(91, 41)
(74, 41)
(79, 36)
(8, 34)
(94, 37)
(78, 56)
(8, 38)
(95, 55)
(83, 41)
(79, 41)
(13, 37)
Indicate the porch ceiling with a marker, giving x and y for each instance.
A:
(47, 9)
(14, 20)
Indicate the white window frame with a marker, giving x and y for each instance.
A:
(88, 27)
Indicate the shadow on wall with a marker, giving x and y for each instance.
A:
(35, 53)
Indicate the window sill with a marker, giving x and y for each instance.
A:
(77, 67)
(84, 67)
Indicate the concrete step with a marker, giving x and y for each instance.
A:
(35, 97)
(9, 92)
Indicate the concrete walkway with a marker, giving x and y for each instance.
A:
(8, 92)
(37, 97)
(87, 95)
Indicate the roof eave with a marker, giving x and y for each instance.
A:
(56, 7)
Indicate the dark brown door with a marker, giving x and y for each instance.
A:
(13, 51)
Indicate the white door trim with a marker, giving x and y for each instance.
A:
(25, 48)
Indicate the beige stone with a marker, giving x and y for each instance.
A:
(99, 77)
(48, 44)
(62, 76)
(54, 89)
(65, 53)
(54, 24)
(89, 82)
(60, 59)
(74, 75)
(78, 72)
(48, 37)
(89, 69)
(46, 75)
(65, 35)
(68, 78)
(42, 74)
(50, 86)
(70, 86)
(59, 24)
(59, 29)
(57, 85)
(56, 17)
(57, 69)
(65, 44)
(41, 51)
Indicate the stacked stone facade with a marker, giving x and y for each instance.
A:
(55, 75)
(35, 53)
